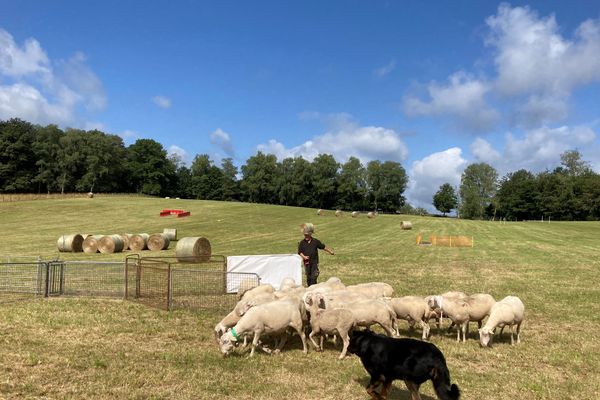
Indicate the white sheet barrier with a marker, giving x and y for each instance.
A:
(271, 268)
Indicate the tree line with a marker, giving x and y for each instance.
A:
(571, 191)
(44, 159)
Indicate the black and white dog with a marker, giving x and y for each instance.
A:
(413, 361)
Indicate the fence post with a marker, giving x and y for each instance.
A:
(169, 288)
(46, 288)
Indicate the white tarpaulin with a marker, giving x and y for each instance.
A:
(270, 268)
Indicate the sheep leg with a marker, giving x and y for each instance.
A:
(512, 338)
(254, 342)
(298, 328)
(282, 341)
(519, 332)
(312, 339)
(425, 327)
(458, 335)
(387, 328)
(346, 340)
(465, 328)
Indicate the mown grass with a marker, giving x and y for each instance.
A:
(72, 348)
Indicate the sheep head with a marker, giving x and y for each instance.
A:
(485, 337)
(227, 342)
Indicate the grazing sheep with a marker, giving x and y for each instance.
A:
(413, 309)
(373, 290)
(270, 318)
(340, 298)
(240, 308)
(508, 311)
(256, 291)
(331, 284)
(436, 312)
(461, 311)
(369, 312)
(334, 321)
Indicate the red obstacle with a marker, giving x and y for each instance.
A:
(179, 213)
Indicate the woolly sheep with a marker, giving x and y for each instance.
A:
(373, 290)
(461, 311)
(331, 284)
(508, 311)
(256, 291)
(369, 312)
(338, 321)
(413, 309)
(240, 308)
(270, 318)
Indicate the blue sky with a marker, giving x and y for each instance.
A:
(433, 85)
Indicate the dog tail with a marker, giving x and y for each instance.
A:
(441, 384)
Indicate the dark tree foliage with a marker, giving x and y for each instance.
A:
(352, 188)
(149, 167)
(17, 158)
(259, 179)
(445, 199)
(516, 196)
(477, 190)
(325, 180)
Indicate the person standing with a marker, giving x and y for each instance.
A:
(308, 249)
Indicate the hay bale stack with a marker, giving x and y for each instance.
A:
(195, 249)
(139, 242)
(158, 241)
(406, 225)
(90, 244)
(70, 243)
(320, 212)
(125, 238)
(338, 213)
(171, 233)
(109, 244)
(355, 214)
(371, 214)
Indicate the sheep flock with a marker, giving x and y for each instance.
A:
(333, 309)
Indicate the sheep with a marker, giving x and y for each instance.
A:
(508, 311)
(461, 311)
(256, 291)
(436, 312)
(240, 308)
(338, 321)
(331, 284)
(371, 311)
(413, 309)
(270, 318)
(373, 290)
(288, 283)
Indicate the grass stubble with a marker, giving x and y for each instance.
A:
(73, 348)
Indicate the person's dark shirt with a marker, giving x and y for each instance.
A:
(311, 249)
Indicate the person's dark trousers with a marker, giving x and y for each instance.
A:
(312, 272)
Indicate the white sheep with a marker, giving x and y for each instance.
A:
(270, 318)
(461, 311)
(508, 311)
(436, 312)
(373, 290)
(334, 321)
(331, 284)
(414, 309)
(240, 308)
(255, 291)
(371, 311)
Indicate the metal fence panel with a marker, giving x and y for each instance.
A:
(93, 278)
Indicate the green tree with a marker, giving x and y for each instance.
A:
(230, 184)
(477, 190)
(352, 188)
(46, 147)
(445, 199)
(324, 180)
(392, 186)
(17, 158)
(573, 163)
(516, 196)
(259, 179)
(148, 167)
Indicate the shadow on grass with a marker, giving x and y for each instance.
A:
(397, 392)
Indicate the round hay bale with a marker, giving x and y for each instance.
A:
(125, 238)
(171, 233)
(320, 212)
(109, 244)
(90, 244)
(371, 214)
(193, 249)
(70, 243)
(158, 241)
(355, 214)
(338, 213)
(139, 242)
(406, 225)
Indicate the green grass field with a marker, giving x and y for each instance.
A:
(74, 348)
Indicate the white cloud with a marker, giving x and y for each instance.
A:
(385, 70)
(483, 152)
(180, 153)
(463, 99)
(345, 139)
(129, 136)
(428, 174)
(162, 101)
(222, 139)
(18, 61)
(535, 61)
(35, 91)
